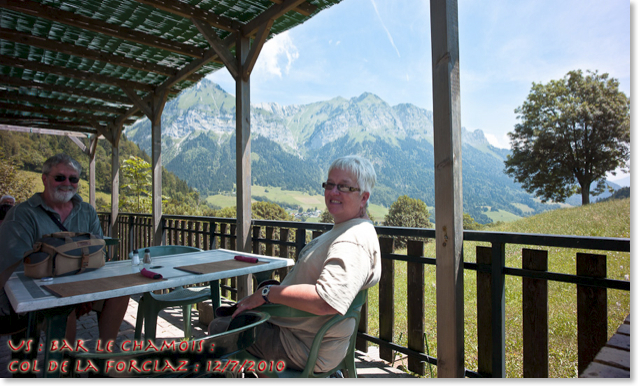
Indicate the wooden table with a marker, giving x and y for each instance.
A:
(28, 295)
(613, 360)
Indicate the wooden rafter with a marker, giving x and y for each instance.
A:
(71, 49)
(188, 11)
(57, 113)
(14, 96)
(71, 73)
(69, 18)
(255, 49)
(304, 8)
(220, 48)
(272, 13)
(17, 82)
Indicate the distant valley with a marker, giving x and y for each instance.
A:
(292, 147)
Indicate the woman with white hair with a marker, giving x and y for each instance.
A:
(329, 273)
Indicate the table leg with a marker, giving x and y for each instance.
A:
(215, 295)
(55, 323)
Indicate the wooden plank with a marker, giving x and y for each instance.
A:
(620, 341)
(484, 312)
(624, 329)
(305, 9)
(188, 11)
(614, 357)
(270, 250)
(448, 187)
(91, 153)
(535, 317)
(283, 251)
(416, 307)
(591, 308)
(386, 299)
(597, 370)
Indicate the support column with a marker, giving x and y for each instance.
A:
(242, 87)
(92, 150)
(156, 148)
(115, 190)
(448, 187)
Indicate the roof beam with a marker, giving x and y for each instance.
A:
(305, 8)
(35, 130)
(69, 18)
(14, 96)
(255, 49)
(58, 113)
(138, 102)
(71, 73)
(220, 48)
(188, 11)
(10, 81)
(82, 52)
(271, 13)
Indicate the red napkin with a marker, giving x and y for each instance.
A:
(151, 274)
(247, 259)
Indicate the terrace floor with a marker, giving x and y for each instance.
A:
(170, 326)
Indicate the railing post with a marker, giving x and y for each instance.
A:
(360, 344)
(270, 231)
(300, 241)
(484, 310)
(592, 309)
(498, 310)
(386, 298)
(256, 244)
(535, 338)
(131, 233)
(283, 251)
(416, 306)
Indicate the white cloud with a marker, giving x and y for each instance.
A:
(277, 56)
(502, 142)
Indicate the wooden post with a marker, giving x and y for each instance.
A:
(386, 298)
(91, 150)
(448, 187)
(535, 317)
(159, 100)
(484, 311)
(591, 309)
(416, 306)
(115, 190)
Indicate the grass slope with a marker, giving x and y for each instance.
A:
(608, 219)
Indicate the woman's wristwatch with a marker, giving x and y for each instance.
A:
(264, 293)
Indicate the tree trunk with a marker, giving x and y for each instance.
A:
(584, 191)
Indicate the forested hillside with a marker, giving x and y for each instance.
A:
(29, 151)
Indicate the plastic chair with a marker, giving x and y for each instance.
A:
(347, 363)
(205, 357)
(151, 304)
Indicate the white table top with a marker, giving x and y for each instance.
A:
(27, 294)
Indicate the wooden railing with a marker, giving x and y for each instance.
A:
(286, 239)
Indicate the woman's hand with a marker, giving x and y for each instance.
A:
(248, 303)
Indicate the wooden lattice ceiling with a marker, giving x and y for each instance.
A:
(85, 65)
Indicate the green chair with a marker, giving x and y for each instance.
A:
(206, 357)
(151, 304)
(346, 364)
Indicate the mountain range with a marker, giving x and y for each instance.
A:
(293, 146)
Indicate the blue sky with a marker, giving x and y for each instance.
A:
(383, 47)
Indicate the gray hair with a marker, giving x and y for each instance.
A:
(61, 159)
(360, 167)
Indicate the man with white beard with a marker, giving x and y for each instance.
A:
(27, 222)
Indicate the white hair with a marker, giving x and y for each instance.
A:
(360, 167)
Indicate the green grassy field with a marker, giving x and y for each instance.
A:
(608, 219)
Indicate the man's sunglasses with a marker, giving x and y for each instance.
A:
(61, 178)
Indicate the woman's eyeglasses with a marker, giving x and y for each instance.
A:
(340, 187)
(61, 178)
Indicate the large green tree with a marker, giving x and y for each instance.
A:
(410, 213)
(572, 132)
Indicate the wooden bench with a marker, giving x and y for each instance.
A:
(613, 360)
